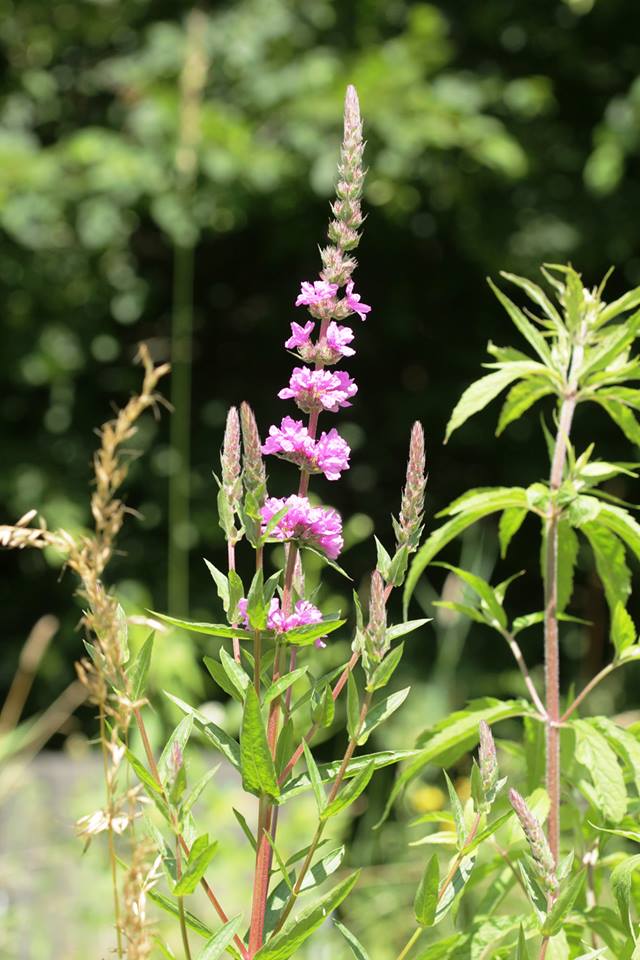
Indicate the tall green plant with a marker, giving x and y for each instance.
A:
(578, 350)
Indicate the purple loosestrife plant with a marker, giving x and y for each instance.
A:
(272, 620)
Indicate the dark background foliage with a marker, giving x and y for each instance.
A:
(501, 135)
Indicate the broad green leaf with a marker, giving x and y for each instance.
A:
(219, 942)
(221, 677)
(623, 742)
(510, 522)
(170, 906)
(256, 763)
(180, 737)
(328, 771)
(568, 548)
(623, 631)
(381, 712)
(621, 886)
(564, 903)
(454, 890)
(476, 397)
(355, 946)
(384, 671)
(221, 582)
(257, 609)
(235, 673)
(202, 853)
(472, 507)
(210, 629)
(486, 593)
(593, 752)
(314, 776)
(283, 945)
(348, 793)
(426, 899)
(448, 740)
(520, 398)
(609, 556)
(139, 669)
(526, 328)
(303, 636)
(221, 740)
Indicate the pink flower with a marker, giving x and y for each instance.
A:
(299, 335)
(352, 300)
(291, 441)
(320, 527)
(315, 390)
(338, 337)
(303, 614)
(316, 292)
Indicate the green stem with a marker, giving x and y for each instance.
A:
(415, 936)
(588, 688)
(180, 430)
(112, 851)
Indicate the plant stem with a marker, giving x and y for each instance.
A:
(415, 936)
(588, 688)
(112, 852)
(231, 564)
(183, 924)
(524, 670)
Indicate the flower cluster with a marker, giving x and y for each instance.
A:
(291, 441)
(304, 613)
(319, 527)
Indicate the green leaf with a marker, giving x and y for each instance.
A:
(348, 793)
(594, 753)
(381, 712)
(283, 683)
(244, 826)
(486, 593)
(622, 524)
(448, 740)
(383, 561)
(356, 947)
(328, 771)
(202, 853)
(170, 906)
(221, 740)
(463, 609)
(623, 742)
(472, 507)
(568, 548)
(609, 556)
(623, 630)
(454, 889)
(314, 776)
(323, 706)
(284, 944)
(180, 736)
(256, 762)
(221, 678)
(458, 813)
(402, 629)
(622, 416)
(143, 774)
(139, 669)
(520, 398)
(476, 397)
(385, 670)
(426, 898)
(199, 787)
(526, 328)
(320, 871)
(234, 672)
(563, 904)
(303, 636)
(522, 953)
(612, 346)
(538, 296)
(219, 942)
(257, 609)
(510, 522)
(621, 886)
(210, 629)
(221, 582)
(325, 559)
(353, 707)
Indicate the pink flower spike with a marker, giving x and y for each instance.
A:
(291, 437)
(303, 614)
(315, 390)
(352, 300)
(320, 527)
(338, 337)
(291, 441)
(299, 335)
(316, 292)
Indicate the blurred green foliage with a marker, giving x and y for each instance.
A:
(499, 134)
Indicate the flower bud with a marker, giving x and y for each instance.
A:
(488, 761)
(540, 851)
(375, 635)
(409, 526)
(253, 472)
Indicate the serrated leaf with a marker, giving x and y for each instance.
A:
(381, 712)
(480, 394)
(594, 753)
(256, 762)
(283, 945)
(520, 398)
(426, 899)
(621, 886)
(510, 522)
(349, 793)
(609, 556)
(139, 669)
(219, 942)
(623, 630)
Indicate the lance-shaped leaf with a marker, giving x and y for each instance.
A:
(609, 556)
(621, 886)
(256, 763)
(381, 712)
(384, 671)
(237, 676)
(563, 904)
(425, 902)
(317, 874)
(355, 946)
(350, 792)
(606, 351)
(520, 398)
(314, 776)
(222, 584)
(283, 683)
(328, 771)
(476, 397)
(221, 740)
(304, 636)
(170, 906)
(623, 630)
(201, 855)
(622, 416)
(510, 522)
(488, 596)
(593, 751)
(217, 945)
(455, 887)
(139, 669)
(220, 676)
(179, 738)
(284, 944)
(210, 629)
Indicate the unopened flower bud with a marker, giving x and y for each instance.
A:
(230, 458)
(409, 526)
(540, 851)
(376, 644)
(488, 760)
(253, 472)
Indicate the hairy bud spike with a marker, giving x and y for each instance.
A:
(488, 761)
(409, 527)
(375, 635)
(537, 841)
(253, 472)
(230, 457)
